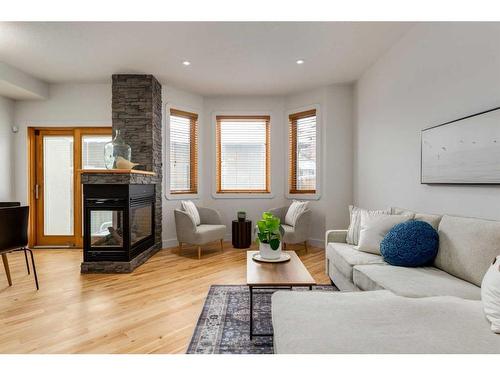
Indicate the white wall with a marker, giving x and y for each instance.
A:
(335, 119)
(435, 73)
(67, 105)
(6, 149)
(90, 105)
(182, 100)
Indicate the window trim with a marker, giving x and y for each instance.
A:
(194, 151)
(309, 194)
(240, 194)
(218, 120)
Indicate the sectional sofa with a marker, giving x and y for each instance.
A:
(389, 309)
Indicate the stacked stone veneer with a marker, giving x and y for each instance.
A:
(136, 107)
(137, 111)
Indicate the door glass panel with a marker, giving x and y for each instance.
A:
(93, 151)
(58, 185)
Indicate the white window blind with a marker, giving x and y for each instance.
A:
(93, 151)
(303, 165)
(243, 154)
(183, 157)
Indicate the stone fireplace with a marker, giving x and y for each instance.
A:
(112, 198)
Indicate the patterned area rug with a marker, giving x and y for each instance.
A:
(223, 326)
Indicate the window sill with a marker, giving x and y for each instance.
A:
(243, 195)
(181, 197)
(304, 197)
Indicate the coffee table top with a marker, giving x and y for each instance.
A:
(291, 273)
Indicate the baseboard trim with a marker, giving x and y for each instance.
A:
(169, 243)
(172, 242)
(316, 243)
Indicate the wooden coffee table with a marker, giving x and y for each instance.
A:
(285, 275)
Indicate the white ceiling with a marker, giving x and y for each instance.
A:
(227, 58)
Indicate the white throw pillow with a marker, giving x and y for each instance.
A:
(490, 295)
(374, 227)
(192, 211)
(354, 226)
(295, 209)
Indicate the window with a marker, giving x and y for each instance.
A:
(93, 150)
(302, 152)
(183, 152)
(243, 154)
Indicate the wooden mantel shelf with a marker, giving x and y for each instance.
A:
(116, 171)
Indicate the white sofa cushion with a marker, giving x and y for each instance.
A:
(295, 209)
(355, 224)
(341, 281)
(413, 282)
(490, 295)
(191, 210)
(431, 219)
(467, 246)
(378, 322)
(344, 257)
(373, 229)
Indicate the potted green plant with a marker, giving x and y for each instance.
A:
(242, 215)
(269, 236)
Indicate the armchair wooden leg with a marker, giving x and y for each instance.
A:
(305, 246)
(180, 247)
(221, 245)
(199, 252)
(6, 266)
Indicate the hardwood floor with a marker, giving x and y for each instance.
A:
(153, 310)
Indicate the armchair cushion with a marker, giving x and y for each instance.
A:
(207, 233)
(192, 211)
(295, 209)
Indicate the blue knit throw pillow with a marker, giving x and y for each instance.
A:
(410, 244)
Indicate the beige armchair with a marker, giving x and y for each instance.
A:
(298, 233)
(210, 229)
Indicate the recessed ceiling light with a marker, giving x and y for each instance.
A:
(186, 63)
(300, 62)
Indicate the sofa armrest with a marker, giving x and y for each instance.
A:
(209, 216)
(335, 236)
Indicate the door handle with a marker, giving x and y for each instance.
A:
(37, 191)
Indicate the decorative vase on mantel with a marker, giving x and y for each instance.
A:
(116, 150)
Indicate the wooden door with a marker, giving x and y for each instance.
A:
(56, 157)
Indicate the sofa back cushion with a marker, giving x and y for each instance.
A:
(355, 225)
(467, 246)
(431, 219)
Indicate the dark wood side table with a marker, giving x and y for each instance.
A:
(242, 234)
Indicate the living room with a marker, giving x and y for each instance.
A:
(250, 187)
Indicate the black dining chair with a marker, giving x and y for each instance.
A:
(9, 204)
(14, 236)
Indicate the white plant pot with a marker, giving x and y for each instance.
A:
(267, 253)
